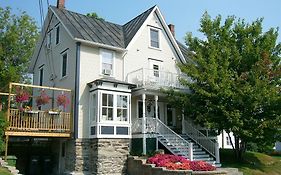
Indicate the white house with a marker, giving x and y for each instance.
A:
(116, 73)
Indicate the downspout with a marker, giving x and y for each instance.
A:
(76, 90)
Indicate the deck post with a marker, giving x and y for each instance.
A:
(143, 125)
(6, 147)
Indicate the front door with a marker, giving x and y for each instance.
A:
(170, 116)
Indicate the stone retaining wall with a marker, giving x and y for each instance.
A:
(97, 156)
(137, 166)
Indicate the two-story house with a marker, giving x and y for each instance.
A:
(116, 73)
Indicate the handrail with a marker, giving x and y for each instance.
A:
(200, 138)
(172, 137)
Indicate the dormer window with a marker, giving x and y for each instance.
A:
(154, 38)
(107, 60)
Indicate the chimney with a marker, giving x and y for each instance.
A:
(172, 29)
(60, 4)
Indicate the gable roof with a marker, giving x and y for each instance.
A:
(91, 29)
(131, 27)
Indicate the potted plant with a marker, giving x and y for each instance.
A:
(62, 101)
(42, 99)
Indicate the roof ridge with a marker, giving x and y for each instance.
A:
(140, 14)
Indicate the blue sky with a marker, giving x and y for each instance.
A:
(184, 14)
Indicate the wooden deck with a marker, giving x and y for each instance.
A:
(38, 124)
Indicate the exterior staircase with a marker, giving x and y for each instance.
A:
(182, 145)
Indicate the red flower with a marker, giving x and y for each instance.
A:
(42, 99)
(21, 95)
(62, 100)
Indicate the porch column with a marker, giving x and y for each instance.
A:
(217, 153)
(183, 129)
(156, 117)
(143, 125)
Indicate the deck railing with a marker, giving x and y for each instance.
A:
(151, 78)
(39, 121)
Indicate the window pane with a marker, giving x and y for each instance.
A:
(58, 35)
(125, 101)
(104, 99)
(122, 130)
(119, 114)
(110, 100)
(93, 111)
(104, 112)
(154, 38)
(140, 109)
(107, 130)
(110, 114)
(125, 116)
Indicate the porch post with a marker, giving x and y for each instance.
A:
(190, 151)
(183, 131)
(143, 125)
(217, 153)
(156, 106)
(156, 117)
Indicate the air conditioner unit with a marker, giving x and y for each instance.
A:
(106, 71)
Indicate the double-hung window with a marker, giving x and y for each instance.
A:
(122, 108)
(154, 38)
(107, 59)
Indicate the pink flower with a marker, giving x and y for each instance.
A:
(42, 99)
(62, 100)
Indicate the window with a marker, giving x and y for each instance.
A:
(122, 108)
(57, 34)
(64, 65)
(41, 75)
(228, 141)
(115, 107)
(107, 62)
(154, 38)
(93, 112)
(156, 70)
(107, 107)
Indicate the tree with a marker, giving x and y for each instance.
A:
(18, 36)
(94, 15)
(236, 74)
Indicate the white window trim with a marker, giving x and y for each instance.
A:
(113, 62)
(49, 40)
(114, 108)
(159, 38)
(61, 65)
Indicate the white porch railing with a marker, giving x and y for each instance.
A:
(154, 79)
(200, 138)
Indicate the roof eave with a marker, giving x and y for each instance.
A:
(91, 43)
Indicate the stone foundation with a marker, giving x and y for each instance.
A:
(97, 156)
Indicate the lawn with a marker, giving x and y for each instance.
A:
(253, 163)
(4, 171)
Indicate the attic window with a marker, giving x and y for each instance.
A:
(154, 38)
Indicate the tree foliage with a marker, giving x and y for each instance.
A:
(94, 15)
(236, 74)
(18, 35)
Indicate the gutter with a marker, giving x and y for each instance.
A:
(76, 90)
(100, 45)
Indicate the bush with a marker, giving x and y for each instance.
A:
(2, 129)
(173, 162)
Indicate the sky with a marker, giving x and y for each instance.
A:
(184, 14)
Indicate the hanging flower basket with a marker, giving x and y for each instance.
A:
(22, 95)
(42, 99)
(63, 101)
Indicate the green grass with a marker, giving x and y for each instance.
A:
(253, 163)
(4, 171)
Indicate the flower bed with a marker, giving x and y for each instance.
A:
(173, 162)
